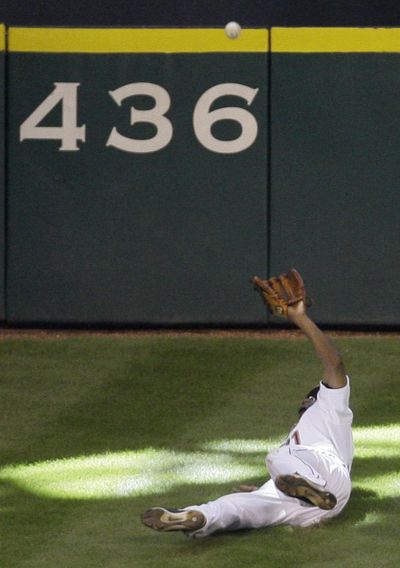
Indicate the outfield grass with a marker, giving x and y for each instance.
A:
(96, 429)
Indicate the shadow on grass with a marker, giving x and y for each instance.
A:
(110, 395)
(103, 394)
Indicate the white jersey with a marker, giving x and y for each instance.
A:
(326, 425)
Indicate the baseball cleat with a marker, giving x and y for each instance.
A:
(161, 519)
(296, 486)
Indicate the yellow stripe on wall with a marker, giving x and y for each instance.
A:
(140, 40)
(2, 37)
(334, 40)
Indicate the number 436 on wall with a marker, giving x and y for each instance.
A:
(69, 133)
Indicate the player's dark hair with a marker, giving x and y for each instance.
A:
(312, 394)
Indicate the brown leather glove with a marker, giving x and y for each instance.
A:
(280, 292)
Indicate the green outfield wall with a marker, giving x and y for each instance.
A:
(148, 204)
(335, 177)
(150, 172)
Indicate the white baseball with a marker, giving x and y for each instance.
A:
(232, 30)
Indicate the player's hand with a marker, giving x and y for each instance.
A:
(245, 488)
(296, 311)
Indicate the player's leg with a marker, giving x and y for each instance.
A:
(296, 486)
(247, 510)
(301, 473)
(320, 477)
(286, 460)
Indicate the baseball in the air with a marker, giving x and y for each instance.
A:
(232, 30)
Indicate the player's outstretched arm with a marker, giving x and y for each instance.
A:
(285, 296)
(334, 370)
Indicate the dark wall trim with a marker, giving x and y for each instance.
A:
(201, 12)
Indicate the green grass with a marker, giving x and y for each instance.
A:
(96, 429)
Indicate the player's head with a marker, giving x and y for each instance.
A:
(309, 400)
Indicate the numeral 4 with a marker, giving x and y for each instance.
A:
(69, 133)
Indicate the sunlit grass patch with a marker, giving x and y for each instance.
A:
(241, 446)
(126, 474)
(383, 485)
(371, 518)
(150, 471)
(380, 442)
(377, 441)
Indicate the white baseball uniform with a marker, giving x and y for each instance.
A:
(319, 448)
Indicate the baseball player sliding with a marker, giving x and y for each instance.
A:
(310, 472)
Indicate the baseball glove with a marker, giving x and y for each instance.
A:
(280, 292)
